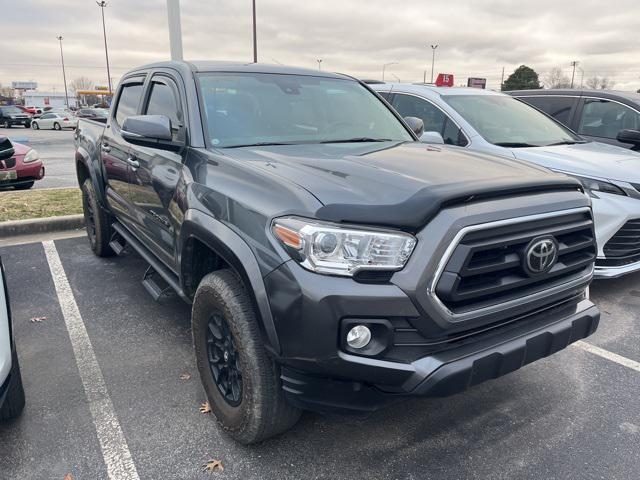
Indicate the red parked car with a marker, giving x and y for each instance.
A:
(22, 169)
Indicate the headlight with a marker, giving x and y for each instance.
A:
(336, 250)
(31, 156)
(595, 185)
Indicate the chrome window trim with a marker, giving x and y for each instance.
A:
(396, 92)
(458, 317)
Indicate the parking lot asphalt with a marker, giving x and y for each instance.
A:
(56, 149)
(574, 415)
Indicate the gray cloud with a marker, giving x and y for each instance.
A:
(476, 38)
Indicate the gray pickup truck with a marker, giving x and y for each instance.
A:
(333, 262)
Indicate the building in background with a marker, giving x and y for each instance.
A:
(47, 99)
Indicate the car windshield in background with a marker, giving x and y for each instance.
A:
(245, 109)
(508, 122)
(12, 111)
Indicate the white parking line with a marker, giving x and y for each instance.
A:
(614, 357)
(115, 451)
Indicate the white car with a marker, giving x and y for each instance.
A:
(55, 120)
(499, 124)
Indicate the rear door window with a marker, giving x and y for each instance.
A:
(560, 108)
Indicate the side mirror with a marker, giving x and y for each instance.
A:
(629, 136)
(416, 124)
(6, 148)
(432, 137)
(148, 131)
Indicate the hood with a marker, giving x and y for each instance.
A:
(591, 159)
(20, 149)
(395, 183)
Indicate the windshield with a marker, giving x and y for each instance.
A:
(11, 110)
(244, 109)
(508, 122)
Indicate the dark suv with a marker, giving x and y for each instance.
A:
(10, 116)
(599, 115)
(332, 260)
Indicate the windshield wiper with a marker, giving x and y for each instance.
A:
(515, 144)
(358, 140)
(263, 144)
(566, 142)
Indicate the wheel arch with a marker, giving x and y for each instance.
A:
(84, 171)
(200, 230)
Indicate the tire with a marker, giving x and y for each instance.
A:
(97, 221)
(260, 410)
(24, 186)
(56, 126)
(14, 401)
(35, 126)
(6, 124)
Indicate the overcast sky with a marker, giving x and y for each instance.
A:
(475, 37)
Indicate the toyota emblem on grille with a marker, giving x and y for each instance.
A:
(540, 255)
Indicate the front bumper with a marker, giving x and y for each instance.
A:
(18, 121)
(319, 373)
(610, 213)
(447, 372)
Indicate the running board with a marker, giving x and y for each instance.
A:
(117, 243)
(156, 266)
(150, 282)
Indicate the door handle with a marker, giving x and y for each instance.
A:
(133, 163)
(105, 147)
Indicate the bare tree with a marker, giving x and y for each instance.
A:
(81, 83)
(556, 79)
(600, 83)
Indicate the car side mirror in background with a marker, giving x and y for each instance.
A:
(148, 131)
(6, 148)
(416, 124)
(629, 136)
(431, 137)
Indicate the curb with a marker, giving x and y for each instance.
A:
(33, 226)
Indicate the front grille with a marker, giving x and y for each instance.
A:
(624, 247)
(486, 267)
(6, 164)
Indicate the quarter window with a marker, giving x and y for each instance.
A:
(603, 118)
(128, 102)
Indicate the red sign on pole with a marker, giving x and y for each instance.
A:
(444, 80)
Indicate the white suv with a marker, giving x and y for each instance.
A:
(11, 391)
(495, 123)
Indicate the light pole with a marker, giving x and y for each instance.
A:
(581, 76)
(64, 75)
(385, 66)
(102, 6)
(175, 29)
(255, 37)
(319, 60)
(433, 59)
(574, 64)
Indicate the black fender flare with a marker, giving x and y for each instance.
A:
(233, 250)
(83, 157)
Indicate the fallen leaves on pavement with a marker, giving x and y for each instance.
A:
(213, 465)
(185, 376)
(68, 476)
(38, 319)
(205, 408)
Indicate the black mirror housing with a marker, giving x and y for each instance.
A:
(629, 136)
(6, 148)
(149, 131)
(416, 125)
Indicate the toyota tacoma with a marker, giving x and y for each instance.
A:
(332, 261)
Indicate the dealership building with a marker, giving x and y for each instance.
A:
(47, 99)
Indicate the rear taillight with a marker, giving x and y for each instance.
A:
(65, 119)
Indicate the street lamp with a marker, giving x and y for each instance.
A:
(64, 75)
(255, 37)
(102, 6)
(319, 60)
(385, 66)
(433, 59)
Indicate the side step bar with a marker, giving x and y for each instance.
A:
(155, 266)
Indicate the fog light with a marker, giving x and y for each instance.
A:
(359, 337)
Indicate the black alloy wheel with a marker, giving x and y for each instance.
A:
(224, 360)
